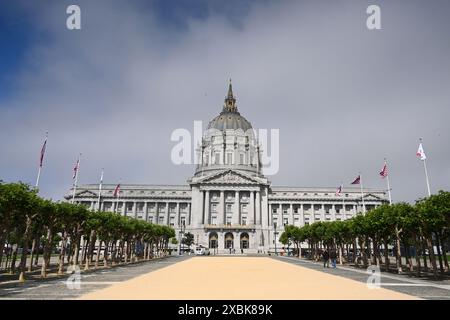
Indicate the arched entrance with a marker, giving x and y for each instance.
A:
(213, 240)
(244, 240)
(229, 240)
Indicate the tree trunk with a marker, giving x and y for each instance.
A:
(398, 253)
(89, 249)
(438, 247)
(99, 249)
(25, 242)
(424, 253)
(33, 249)
(46, 254)
(62, 254)
(432, 256)
(12, 268)
(386, 256)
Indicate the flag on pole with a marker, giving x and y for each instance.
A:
(75, 169)
(357, 180)
(420, 153)
(116, 190)
(339, 191)
(41, 159)
(384, 171)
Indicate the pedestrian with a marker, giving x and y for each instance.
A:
(230, 250)
(326, 259)
(242, 251)
(333, 257)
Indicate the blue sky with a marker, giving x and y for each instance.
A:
(342, 96)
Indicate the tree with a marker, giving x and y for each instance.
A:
(188, 239)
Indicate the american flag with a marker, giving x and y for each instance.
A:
(116, 190)
(357, 180)
(339, 190)
(75, 169)
(384, 171)
(44, 146)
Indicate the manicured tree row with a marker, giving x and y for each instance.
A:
(30, 223)
(418, 229)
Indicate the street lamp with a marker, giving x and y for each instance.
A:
(181, 234)
(275, 236)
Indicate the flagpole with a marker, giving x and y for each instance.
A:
(76, 178)
(100, 189)
(426, 176)
(40, 162)
(388, 184)
(362, 195)
(38, 176)
(421, 152)
(343, 200)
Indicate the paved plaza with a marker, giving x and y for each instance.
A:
(229, 277)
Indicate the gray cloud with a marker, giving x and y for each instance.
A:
(342, 96)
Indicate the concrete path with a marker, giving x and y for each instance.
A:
(207, 278)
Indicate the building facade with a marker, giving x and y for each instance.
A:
(228, 203)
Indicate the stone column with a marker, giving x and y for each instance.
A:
(291, 214)
(251, 216)
(167, 215)
(258, 208)
(280, 216)
(124, 205)
(236, 212)
(188, 220)
(333, 212)
(221, 208)
(135, 209)
(178, 217)
(322, 212)
(146, 211)
(312, 214)
(302, 215)
(206, 218)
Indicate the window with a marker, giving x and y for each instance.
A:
(244, 207)
(229, 220)
(214, 207)
(228, 207)
(229, 158)
(241, 158)
(150, 219)
(295, 210)
(183, 220)
(217, 158)
(285, 221)
(214, 220)
(285, 211)
(172, 221)
(161, 220)
(244, 221)
(274, 210)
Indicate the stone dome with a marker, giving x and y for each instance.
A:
(229, 118)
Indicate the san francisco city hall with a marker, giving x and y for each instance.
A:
(229, 203)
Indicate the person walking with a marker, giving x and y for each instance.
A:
(333, 257)
(326, 259)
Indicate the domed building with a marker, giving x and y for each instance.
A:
(228, 204)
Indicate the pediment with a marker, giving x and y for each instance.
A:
(86, 193)
(230, 177)
(371, 196)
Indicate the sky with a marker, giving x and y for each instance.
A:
(343, 97)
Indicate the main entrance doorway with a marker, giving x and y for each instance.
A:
(213, 240)
(244, 240)
(229, 240)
